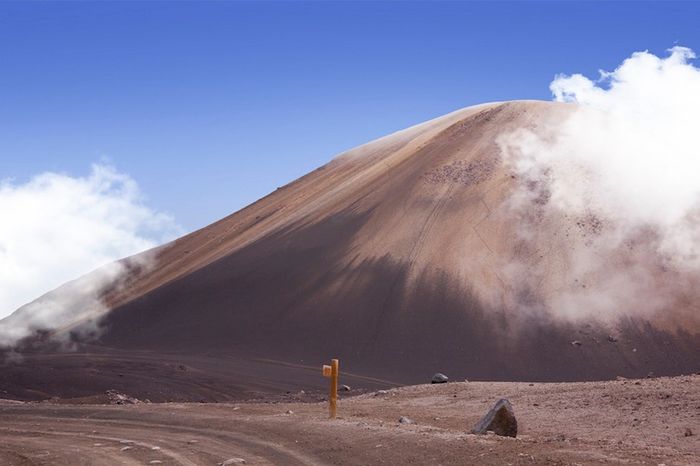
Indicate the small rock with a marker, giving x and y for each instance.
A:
(612, 339)
(155, 448)
(155, 462)
(125, 448)
(688, 432)
(381, 392)
(233, 461)
(439, 378)
(405, 420)
(116, 398)
(500, 419)
(289, 411)
(344, 388)
(576, 343)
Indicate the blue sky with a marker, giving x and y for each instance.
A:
(209, 106)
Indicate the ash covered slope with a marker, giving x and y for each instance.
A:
(398, 257)
(395, 257)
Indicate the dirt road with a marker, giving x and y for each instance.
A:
(649, 421)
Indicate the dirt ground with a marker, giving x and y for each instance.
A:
(647, 421)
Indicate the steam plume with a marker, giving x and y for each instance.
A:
(55, 228)
(621, 172)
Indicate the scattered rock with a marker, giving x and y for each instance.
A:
(620, 378)
(344, 388)
(116, 398)
(405, 420)
(576, 343)
(125, 448)
(612, 339)
(230, 461)
(289, 411)
(439, 378)
(500, 419)
(381, 392)
(688, 432)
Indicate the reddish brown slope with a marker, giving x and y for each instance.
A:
(388, 257)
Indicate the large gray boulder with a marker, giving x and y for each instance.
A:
(439, 378)
(499, 420)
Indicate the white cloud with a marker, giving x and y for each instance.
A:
(627, 158)
(56, 228)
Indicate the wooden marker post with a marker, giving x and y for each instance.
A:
(332, 372)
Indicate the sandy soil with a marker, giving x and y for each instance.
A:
(645, 421)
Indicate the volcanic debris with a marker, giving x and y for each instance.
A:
(116, 398)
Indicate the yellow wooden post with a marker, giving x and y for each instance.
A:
(332, 372)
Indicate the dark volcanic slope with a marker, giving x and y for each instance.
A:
(389, 257)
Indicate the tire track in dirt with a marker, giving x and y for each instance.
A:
(144, 441)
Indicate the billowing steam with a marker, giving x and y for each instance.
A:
(55, 228)
(621, 172)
